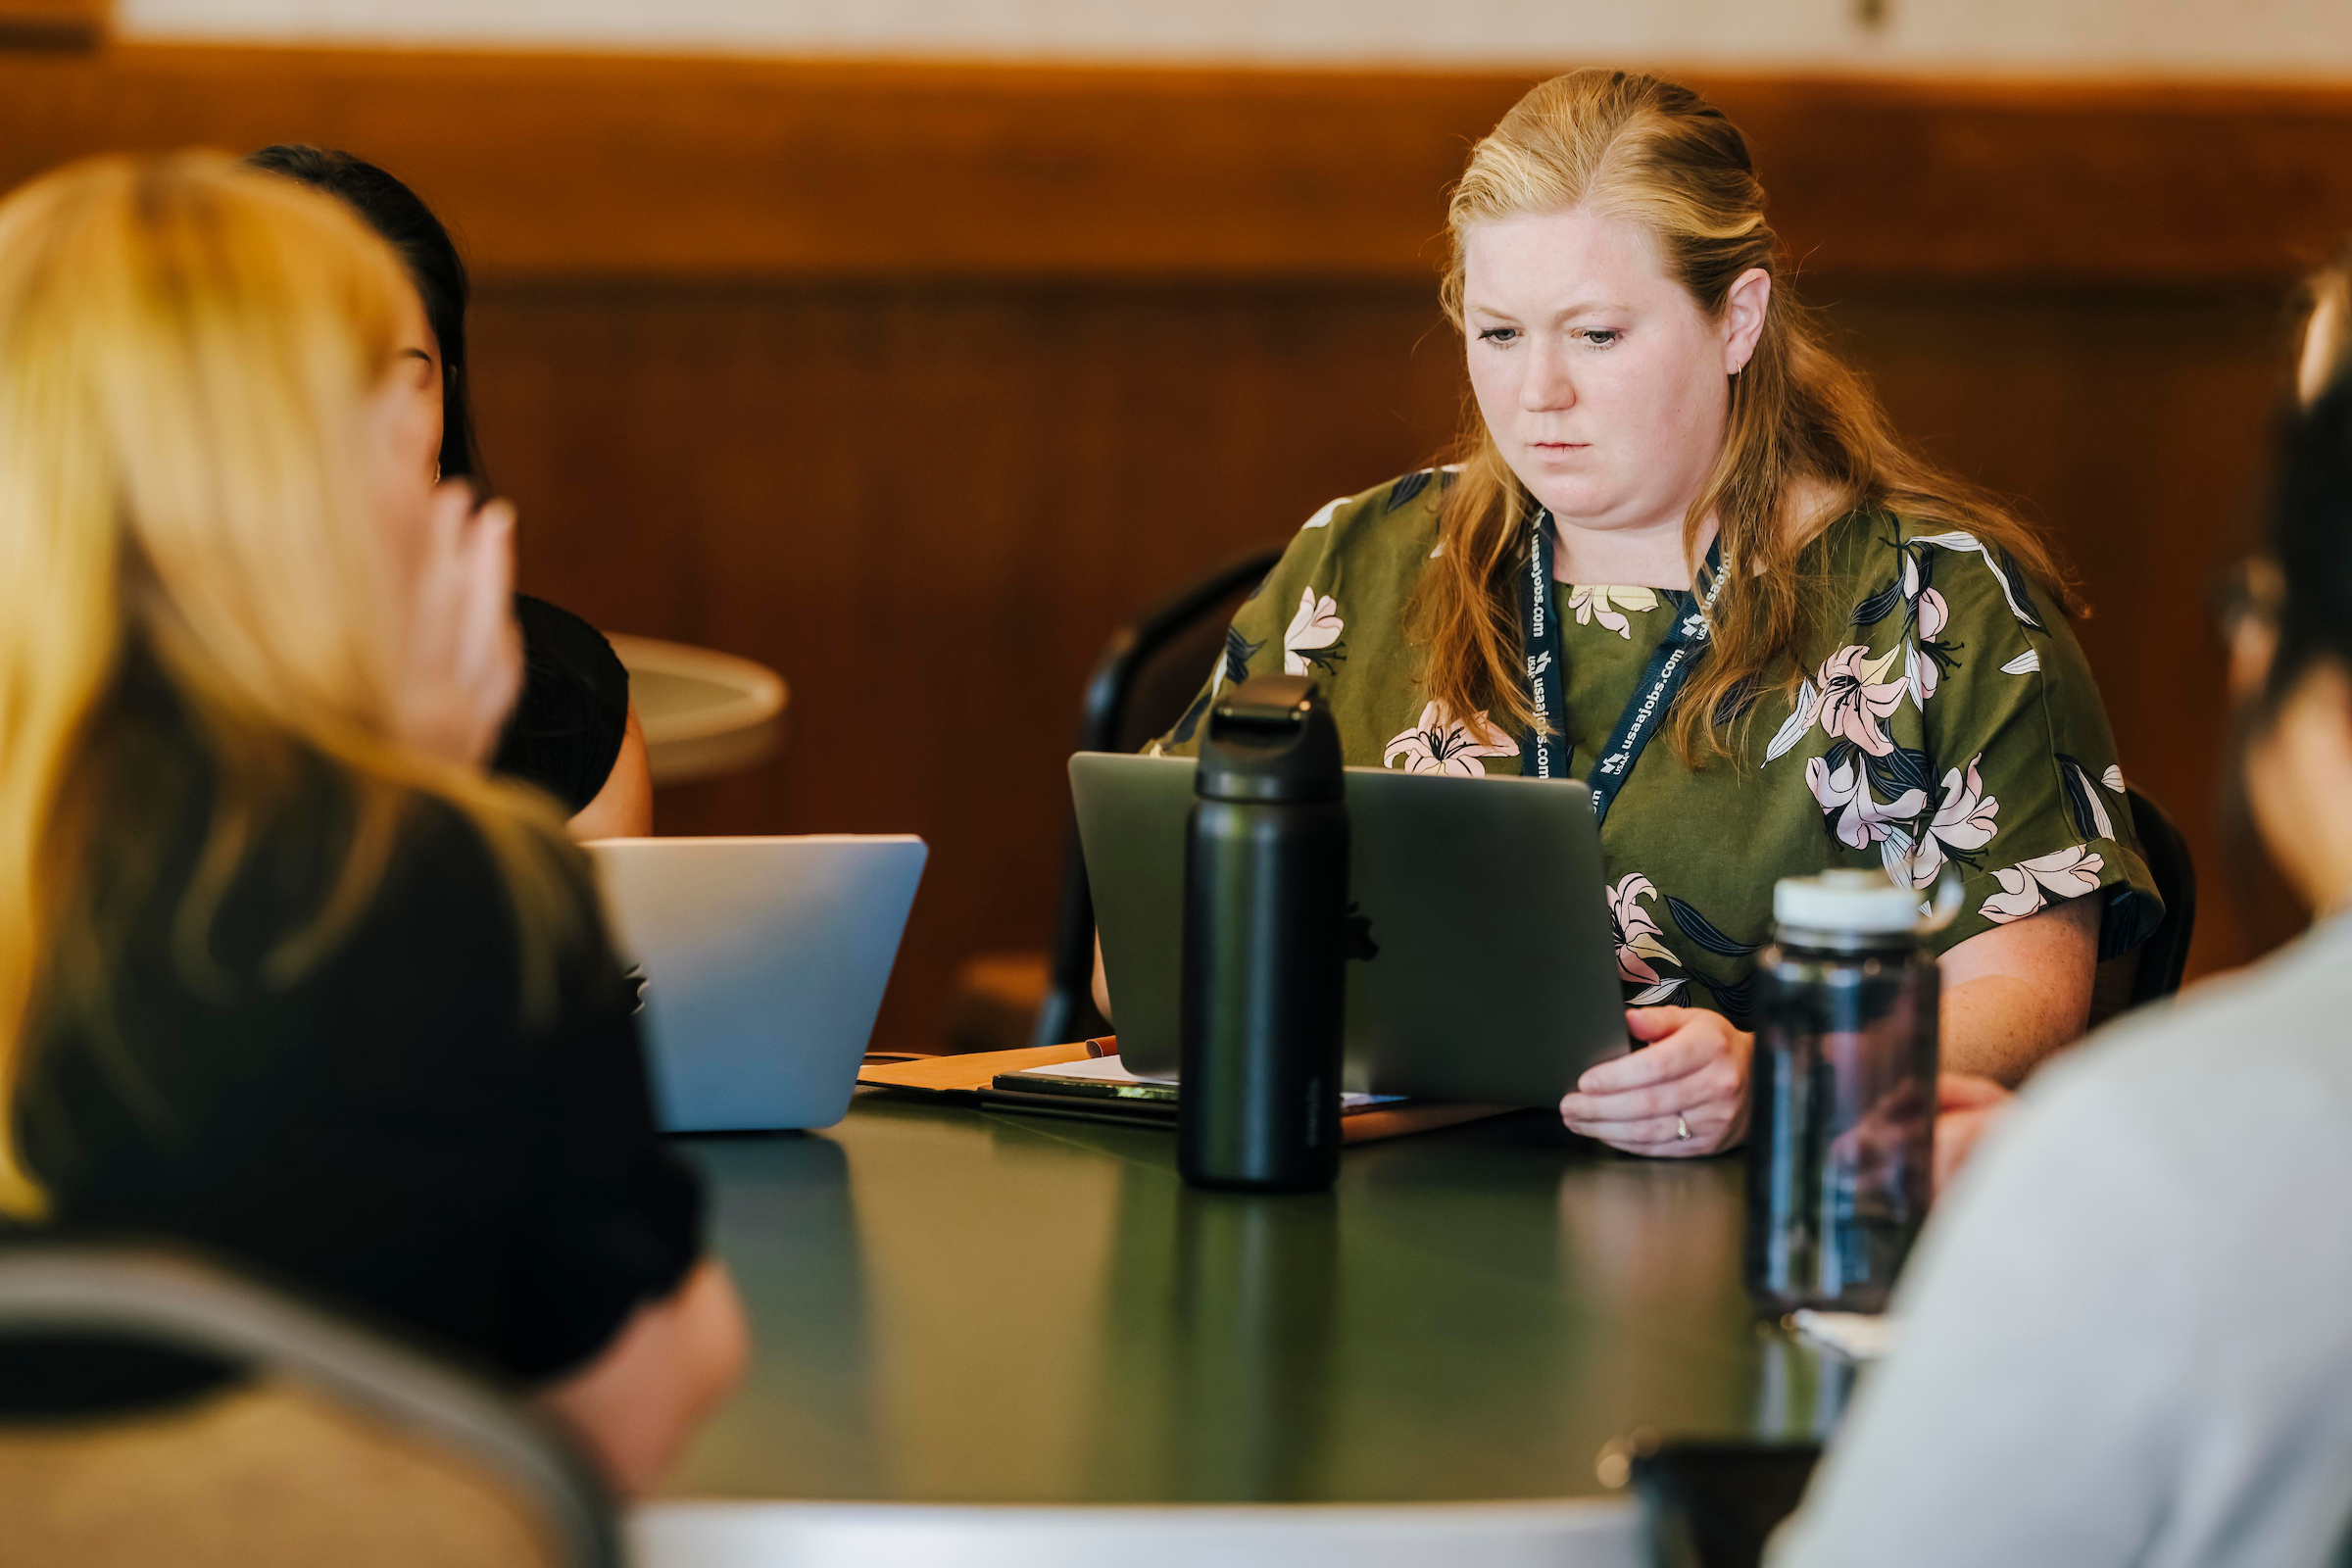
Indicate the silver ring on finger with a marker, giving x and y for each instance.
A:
(1682, 1130)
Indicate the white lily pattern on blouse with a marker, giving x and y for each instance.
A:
(1638, 932)
(1442, 744)
(2027, 886)
(1962, 825)
(1312, 641)
(1857, 818)
(1639, 951)
(1609, 604)
(1873, 792)
(1856, 698)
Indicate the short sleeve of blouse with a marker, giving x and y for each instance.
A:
(2028, 798)
(569, 723)
(1262, 639)
(1335, 608)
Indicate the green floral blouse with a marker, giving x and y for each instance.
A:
(1951, 720)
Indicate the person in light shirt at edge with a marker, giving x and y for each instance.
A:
(2122, 1338)
(1891, 681)
(284, 976)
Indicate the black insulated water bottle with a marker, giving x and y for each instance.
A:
(1265, 910)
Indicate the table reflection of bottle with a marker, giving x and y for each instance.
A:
(1255, 1287)
(1802, 1388)
(1218, 1364)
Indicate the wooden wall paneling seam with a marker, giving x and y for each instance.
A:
(53, 23)
(704, 168)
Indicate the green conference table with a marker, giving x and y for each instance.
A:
(963, 1307)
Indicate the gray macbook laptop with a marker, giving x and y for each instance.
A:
(765, 962)
(1483, 968)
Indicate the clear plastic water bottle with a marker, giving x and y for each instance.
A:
(1841, 1117)
(1265, 909)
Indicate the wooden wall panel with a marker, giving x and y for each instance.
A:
(53, 23)
(929, 511)
(584, 167)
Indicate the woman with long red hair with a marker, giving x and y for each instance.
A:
(1663, 457)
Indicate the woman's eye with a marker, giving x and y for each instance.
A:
(1600, 337)
(1498, 335)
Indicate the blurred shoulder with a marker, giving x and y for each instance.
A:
(445, 879)
(2239, 1077)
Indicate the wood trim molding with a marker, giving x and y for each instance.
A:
(53, 23)
(588, 167)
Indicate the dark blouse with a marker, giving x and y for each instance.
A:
(567, 725)
(386, 1133)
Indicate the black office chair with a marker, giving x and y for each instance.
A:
(1150, 672)
(299, 1439)
(2152, 971)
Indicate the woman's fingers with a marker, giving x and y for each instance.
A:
(493, 665)
(1692, 1080)
(1656, 1023)
(1957, 1134)
(1712, 1082)
(1695, 1039)
(1713, 1128)
(1960, 1091)
(465, 653)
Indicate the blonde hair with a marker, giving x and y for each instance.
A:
(1641, 148)
(185, 349)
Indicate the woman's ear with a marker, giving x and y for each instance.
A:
(1744, 317)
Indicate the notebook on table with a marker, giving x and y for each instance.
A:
(1085, 1080)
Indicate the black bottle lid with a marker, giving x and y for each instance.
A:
(1271, 738)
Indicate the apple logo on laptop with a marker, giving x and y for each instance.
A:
(1360, 945)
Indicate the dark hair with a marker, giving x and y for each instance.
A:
(2311, 538)
(409, 228)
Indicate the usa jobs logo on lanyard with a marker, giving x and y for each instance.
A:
(1670, 663)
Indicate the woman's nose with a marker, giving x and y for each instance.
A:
(1549, 387)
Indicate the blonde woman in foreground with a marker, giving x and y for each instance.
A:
(282, 974)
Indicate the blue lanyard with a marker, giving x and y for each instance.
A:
(1547, 756)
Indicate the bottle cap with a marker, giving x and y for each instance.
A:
(1271, 739)
(1859, 902)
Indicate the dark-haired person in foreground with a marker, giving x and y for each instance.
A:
(2123, 1338)
(285, 974)
(573, 732)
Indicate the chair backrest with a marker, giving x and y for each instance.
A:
(1714, 1503)
(2152, 971)
(1151, 670)
(2165, 954)
(332, 1446)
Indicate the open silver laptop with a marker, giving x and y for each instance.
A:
(1482, 967)
(765, 962)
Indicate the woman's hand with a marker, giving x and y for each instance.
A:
(635, 1405)
(1965, 1108)
(463, 663)
(1693, 1076)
